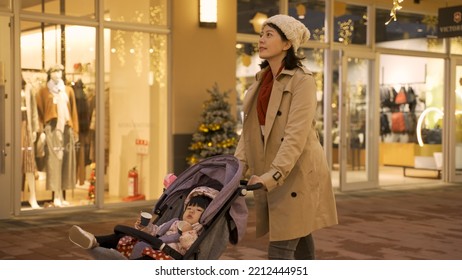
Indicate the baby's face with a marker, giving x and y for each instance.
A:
(192, 214)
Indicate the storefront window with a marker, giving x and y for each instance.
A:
(141, 11)
(136, 114)
(458, 123)
(335, 105)
(314, 61)
(350, 23)
(411, 98)
(81, 8)
(409, 32)
(456, 45)
(251, 14)
(247, 65)
(312, 14)
(5, 86)
(57, 105)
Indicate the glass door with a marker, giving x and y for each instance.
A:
(5, 116)
(454, 122)
(358, 122)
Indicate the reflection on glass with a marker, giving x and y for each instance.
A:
(314, 61)
(136, 96)
(458, 122)
(251, 14)
(247, 65)
(57, 99)
(350, 23)
(356, 110)
(312, 14)
(81, 8)
(335, 117)
(152, 12)
(5, 55)
(456, 45)
(411, 32)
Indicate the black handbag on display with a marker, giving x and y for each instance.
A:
(434, 136)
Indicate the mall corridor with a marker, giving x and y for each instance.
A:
(393, 223)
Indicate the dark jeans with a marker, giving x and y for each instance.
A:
(298, 249)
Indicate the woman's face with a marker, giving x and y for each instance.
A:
(271, 46)
(192, 214)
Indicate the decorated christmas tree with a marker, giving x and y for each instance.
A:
(216, 134)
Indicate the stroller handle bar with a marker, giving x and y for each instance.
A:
(253, 187)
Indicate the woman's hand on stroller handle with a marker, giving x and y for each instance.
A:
(251, 187)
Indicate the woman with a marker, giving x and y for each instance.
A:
(280, 148)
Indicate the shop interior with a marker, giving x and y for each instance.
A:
(129, 159)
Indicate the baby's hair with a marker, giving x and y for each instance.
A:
(200, 200)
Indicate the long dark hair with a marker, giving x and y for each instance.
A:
(291, 60)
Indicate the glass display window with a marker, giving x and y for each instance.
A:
(152, 12)
(456, 45)
(252, 14)
(136, 121)
(411, 110)
(312, 13)
(314, 61)
(416, 32)
(458, 118)
(57, 109)
(81, 8)
(350, 23)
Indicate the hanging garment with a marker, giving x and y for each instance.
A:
(398, 123)
(401, 97)
(60, 158)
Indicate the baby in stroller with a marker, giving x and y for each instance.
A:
(179, 234)
(223, 221)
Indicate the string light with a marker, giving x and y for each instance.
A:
(394, 10)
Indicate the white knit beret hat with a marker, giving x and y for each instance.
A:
(295, 31)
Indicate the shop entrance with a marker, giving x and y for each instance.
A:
(411, 120)
(357, 149)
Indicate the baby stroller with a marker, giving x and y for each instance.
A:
(223, 221)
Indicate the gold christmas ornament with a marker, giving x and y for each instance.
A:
(257, 21)
(394, 10)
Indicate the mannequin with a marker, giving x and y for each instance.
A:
(58, 117)
(29, 127)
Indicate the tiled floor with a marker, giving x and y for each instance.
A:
(393, 223)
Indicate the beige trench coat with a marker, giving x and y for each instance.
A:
(290, 159)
